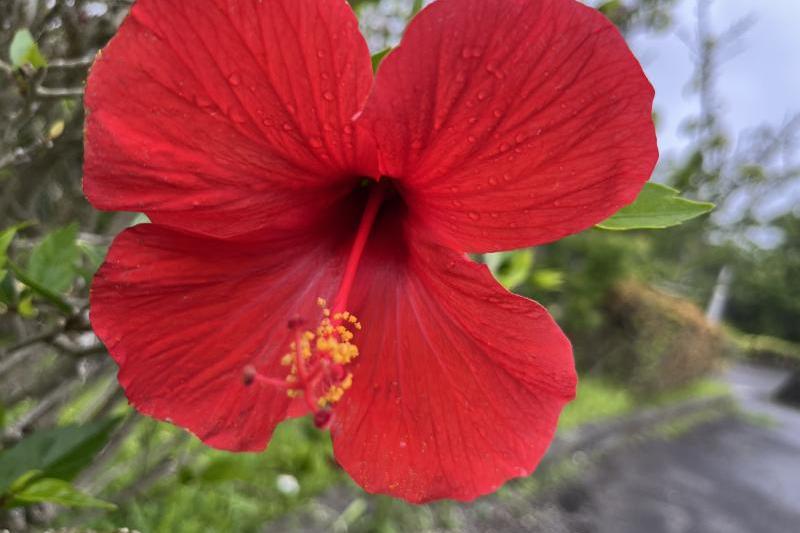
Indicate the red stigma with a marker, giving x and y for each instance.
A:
(323, 419)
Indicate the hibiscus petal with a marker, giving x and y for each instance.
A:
(183, 316)
(512, 122)
(233, 110)
(459, 385)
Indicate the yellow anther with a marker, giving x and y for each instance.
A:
(314, 351)
(347, 382)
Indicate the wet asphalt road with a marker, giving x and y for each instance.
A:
(733, 475)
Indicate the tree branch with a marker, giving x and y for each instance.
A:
(59, 92)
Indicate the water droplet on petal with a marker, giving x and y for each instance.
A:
(492, 181)
(234, 80)
(348, 129)
(473, 215)
(497, 113)
(290, 108)
(315, 142)
(471, 138)
(416, 145)
(482, 95)
(203, 101)
(327, 95)
(287, 126)
(519, 138)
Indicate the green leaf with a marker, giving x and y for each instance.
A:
(59, 492)
(40, 289)
(25, 51)
(94, 253)
(510, 268)
(609, 7)
(657, 207)
(26, 308)
(6, 236)
(378, 57)
(24, 480)
(416, 7)
(548, 279)
(59, 453)
(52, 263)
(8, 291)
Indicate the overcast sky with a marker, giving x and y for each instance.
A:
(759, 82)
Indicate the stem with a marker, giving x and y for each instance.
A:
(52, 296)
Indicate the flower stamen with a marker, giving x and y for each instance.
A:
(317, 361)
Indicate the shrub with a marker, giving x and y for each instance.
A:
(652, 341)
(763, 349)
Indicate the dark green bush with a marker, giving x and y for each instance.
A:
(653, 342)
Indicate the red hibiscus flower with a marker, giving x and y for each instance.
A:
(276, 169)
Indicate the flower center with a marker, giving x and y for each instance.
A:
(318, 358)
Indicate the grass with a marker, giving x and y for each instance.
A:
(763, 347)
(598, 399)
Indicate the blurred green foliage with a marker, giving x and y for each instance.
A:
(219, 491)
(767, 295)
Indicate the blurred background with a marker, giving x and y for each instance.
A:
(687, 339)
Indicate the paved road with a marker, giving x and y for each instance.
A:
(733, 475)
